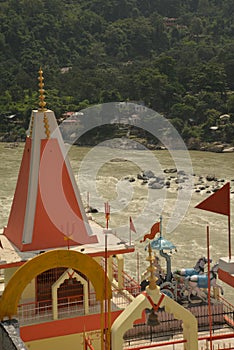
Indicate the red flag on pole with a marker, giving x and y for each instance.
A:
(154, 229)
(132, 227)
(218, 202)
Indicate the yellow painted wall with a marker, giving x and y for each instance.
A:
(28, 293)
(9, 273)
(69, 342)
(98, 259)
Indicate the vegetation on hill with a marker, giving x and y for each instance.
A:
(177, 56)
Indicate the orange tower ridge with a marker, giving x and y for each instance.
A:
(47, 207)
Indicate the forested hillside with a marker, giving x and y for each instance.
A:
(177, 56)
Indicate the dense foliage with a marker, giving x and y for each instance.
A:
(177, 56)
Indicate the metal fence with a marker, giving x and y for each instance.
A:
(166, 326)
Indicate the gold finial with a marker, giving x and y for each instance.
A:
(42, 103)
(46, 125)
(151, 269)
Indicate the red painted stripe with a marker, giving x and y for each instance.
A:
(154, 306)
(67, 326)
(226, 277)
(15, 264)
(229, 321)
(63, 327)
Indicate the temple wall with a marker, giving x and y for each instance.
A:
(71, 342)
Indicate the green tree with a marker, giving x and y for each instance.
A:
(196, 26)
(182, 111)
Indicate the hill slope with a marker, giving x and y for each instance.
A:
(175, 55)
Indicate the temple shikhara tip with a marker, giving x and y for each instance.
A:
(42, 102)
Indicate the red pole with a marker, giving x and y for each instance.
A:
(107, 213)
(138, 268)
(209, 301)
(229, 223)
(229, 237)
(106, 340)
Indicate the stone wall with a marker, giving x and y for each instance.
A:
(9, 336)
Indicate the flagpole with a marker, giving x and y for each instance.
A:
(229, 237)
(131, 229)
(138, 268)
(229, 224)
(130, 237)
(106, 308)
(209, 301)
(160, 226)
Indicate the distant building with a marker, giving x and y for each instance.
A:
(170, 21)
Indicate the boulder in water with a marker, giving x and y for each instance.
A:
(170, 171)
(156, 185)
(210, 177)
(179, 181)
(148, 173)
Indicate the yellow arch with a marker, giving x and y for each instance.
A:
(48, 260)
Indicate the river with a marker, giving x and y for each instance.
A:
(103, 175)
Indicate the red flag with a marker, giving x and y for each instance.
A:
(154, 229)
(132, 227)
(218, 202)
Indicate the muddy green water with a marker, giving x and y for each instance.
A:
(101, 179)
